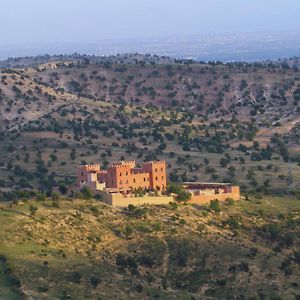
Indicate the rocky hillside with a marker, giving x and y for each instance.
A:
(210, 121)
(58, 249)
(267, 93)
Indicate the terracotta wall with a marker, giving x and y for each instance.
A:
(158, 174)
(123, 177)
(140, 180)
(235, 195)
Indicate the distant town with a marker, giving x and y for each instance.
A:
(255, 46)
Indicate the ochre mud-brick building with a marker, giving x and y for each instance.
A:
(125, 176)
(204, 192)
(116, 185)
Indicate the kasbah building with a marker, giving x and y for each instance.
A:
(118, 184)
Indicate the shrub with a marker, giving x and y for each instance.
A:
(40, 197)
(95, 210)
(137, 212)
(215, 206)
(157, 226)
(244, 267)
(297, 257)
(3, 258)
(95, 281)
(182, 221)
(173, 205)
(33, 209)
(229, 201)
(55, 196)
(288, 239)
(139, 192)
(128, 230)
(252, 253)
(62, 188)
(182, 194)
(121, 260)
(286, 267)
(56, 204)
(131, 262)
(147, 261)
(76, 277)
(233, 224)
(139, 288)
(86, 193)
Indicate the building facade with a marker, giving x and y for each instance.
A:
(125, 176)
(204, 192)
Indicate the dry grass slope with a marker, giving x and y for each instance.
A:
(84, 249)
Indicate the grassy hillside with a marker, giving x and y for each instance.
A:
(84, 249)
(237, 122)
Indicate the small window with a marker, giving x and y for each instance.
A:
(161, 169)
(134, 180)
(155, 170)
(120, 173)
(126, 173)
(162, 177)
(144, 179)
(156, 178)
(126, 181)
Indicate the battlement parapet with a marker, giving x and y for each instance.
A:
(89, 166)
(125, 163)
(119, 166)
(156, 162)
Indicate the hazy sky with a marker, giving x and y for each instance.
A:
(50, 21)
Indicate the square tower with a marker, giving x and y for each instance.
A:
(83, 173)
(158, 174)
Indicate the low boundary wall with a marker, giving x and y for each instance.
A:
(121, 201)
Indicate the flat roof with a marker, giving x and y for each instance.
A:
(206, 183)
